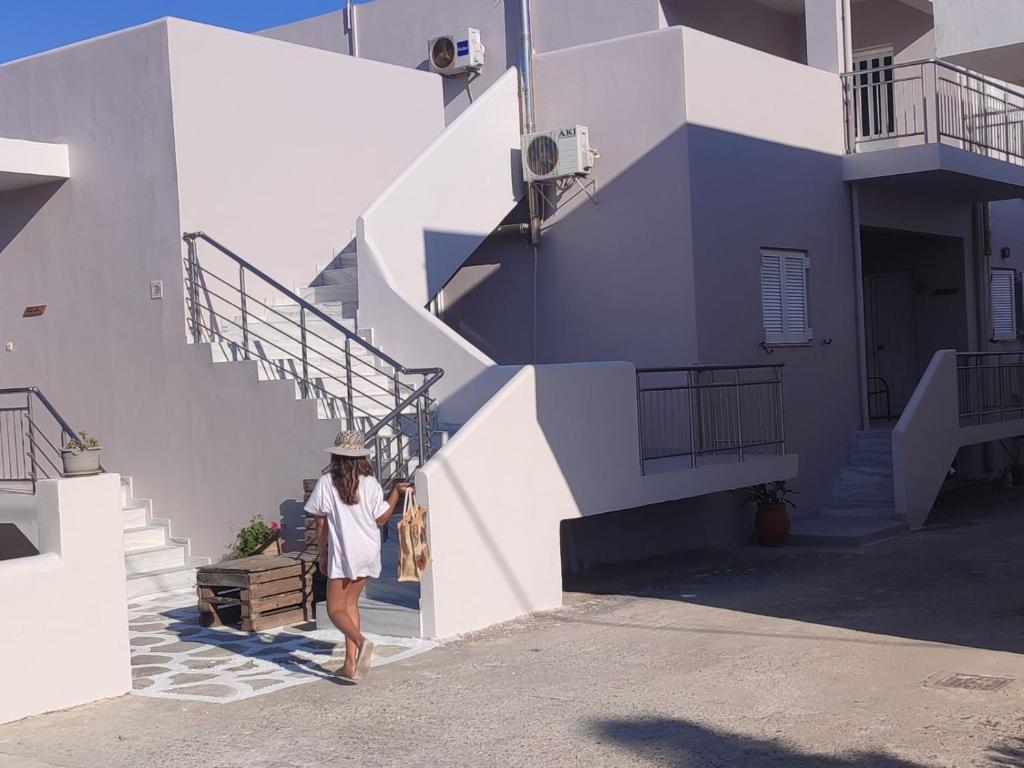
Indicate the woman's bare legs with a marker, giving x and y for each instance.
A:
(343, 609)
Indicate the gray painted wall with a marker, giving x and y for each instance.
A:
(878, 23)
(397, 31)
(743, 21)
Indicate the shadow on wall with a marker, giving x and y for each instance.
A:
(19, 206)
(687, 744)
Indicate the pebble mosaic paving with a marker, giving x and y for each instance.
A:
(174, 657)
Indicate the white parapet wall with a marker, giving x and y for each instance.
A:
(424, 226)
(65, 638)
(557, 442)
(925, 440)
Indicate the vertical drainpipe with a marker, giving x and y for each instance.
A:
(353, 37)
(858, 288)
(858, 262)
(526, 114)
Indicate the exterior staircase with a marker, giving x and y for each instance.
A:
(861, 506)
(280, 330)
(154, 561)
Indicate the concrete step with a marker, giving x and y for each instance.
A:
(155, 559)
(378, 618)
(135, 514)
(144, 537)
(163, 580)
(348, 295)
(866, 473)
(843, 532)
(869, 494)
(853, 511)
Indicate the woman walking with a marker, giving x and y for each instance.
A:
(350, 508)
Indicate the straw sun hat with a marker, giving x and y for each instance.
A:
(350, 444)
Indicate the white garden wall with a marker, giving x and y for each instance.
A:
(65, 638)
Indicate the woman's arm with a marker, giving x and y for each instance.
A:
(396, 492)
(321, 543)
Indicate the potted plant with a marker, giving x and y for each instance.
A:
(258, 538)
(772, 518)
(81, 456)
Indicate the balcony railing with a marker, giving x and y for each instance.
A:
(933, 102)
(990, 386)
(710, 413)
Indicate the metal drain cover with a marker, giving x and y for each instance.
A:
(972, 682)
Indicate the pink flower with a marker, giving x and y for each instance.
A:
(274, 526)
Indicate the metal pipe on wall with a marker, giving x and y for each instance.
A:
(353, 36)
(527, 119)
(858, 287)
(847, 37)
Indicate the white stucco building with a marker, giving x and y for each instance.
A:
(796, 207)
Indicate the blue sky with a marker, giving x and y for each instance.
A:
(31, 26)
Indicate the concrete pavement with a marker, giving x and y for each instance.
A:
(905, 654)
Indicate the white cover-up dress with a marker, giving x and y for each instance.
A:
(353, 538)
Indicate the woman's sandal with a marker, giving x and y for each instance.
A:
(364, 658)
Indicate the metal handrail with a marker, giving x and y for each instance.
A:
(38, 394)
(976, 113)
(990, 391)
(698, 417)
(192, 236)
(407, 400)
(942, 64)
(37, 439)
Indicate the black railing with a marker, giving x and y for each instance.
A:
(710, 411)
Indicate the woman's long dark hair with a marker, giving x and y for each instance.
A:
(346, 473)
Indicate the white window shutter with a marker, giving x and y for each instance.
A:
(771, 297)
(784, 297)
(1004, 306)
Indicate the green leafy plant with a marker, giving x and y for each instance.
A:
(253, 537)
(83, 442)
(776, 492)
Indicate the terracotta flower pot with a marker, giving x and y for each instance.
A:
(772, 524)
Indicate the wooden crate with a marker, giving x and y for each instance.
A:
(256, 592)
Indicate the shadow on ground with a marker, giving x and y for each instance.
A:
(958, 582)
(685, 744)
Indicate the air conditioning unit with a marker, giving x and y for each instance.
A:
(460, 52)
(557, 154)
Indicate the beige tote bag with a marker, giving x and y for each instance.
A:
(413, 550)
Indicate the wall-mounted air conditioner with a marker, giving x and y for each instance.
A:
(459, 52)
(557, 154)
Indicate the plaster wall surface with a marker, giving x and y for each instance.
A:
(889, 23)
(985, 35)
(615, 280)
(397, 32)
(210, 444)
(424, 226)
(279, 147)
(71, 595)
(761, 183)
(743, 21)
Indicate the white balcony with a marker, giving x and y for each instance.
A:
(962, 131)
